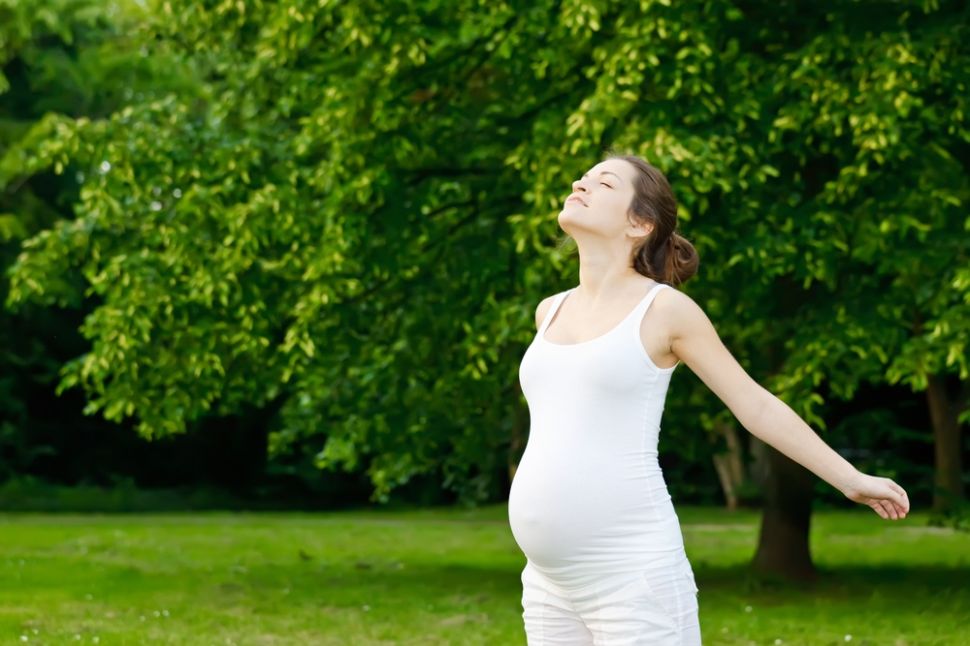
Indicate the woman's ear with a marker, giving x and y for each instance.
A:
(639, 230)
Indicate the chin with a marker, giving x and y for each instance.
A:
(569, 223)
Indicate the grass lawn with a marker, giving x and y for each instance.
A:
(440, 576)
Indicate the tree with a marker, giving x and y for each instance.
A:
(354, 213)
(59, 60)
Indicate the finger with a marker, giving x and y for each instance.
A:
(878, 508)
(890, 511)
(895, 493)
(903, 499)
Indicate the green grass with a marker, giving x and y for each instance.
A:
(440, 577)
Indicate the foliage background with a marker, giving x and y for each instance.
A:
(249, 241)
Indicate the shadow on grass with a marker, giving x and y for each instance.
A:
(891, 580)
(465, 584)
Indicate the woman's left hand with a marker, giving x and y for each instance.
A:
(887, 498)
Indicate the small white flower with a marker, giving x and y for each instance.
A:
(778, 641)
(848, 638)
(24, 638)
(105, 166)
(156, 205)
(165, 612)
(366, 607)
(748, 608)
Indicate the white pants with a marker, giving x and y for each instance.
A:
(656, 607)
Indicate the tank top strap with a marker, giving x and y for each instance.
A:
(636, 316)
(556, 302)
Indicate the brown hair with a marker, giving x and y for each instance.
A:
(665, 255)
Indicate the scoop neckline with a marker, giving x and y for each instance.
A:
(542, 334)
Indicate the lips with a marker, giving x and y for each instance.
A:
(575, 197)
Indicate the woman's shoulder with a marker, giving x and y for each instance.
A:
(545, 304)
(679, 310)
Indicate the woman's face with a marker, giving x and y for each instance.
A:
(600, 201)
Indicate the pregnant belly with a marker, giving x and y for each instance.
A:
(551, 521)
(563, 511)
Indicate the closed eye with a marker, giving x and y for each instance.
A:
(606, 185)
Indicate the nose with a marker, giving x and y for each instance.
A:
(578, 185)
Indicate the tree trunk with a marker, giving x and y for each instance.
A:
(730, 464)
(783, 547)
(948, 476)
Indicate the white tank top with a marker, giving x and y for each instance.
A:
(588, 497)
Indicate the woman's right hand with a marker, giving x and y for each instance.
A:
(886, 498)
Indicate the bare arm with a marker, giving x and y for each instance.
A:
(696, 343)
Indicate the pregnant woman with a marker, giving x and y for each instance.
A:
(589, 506)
